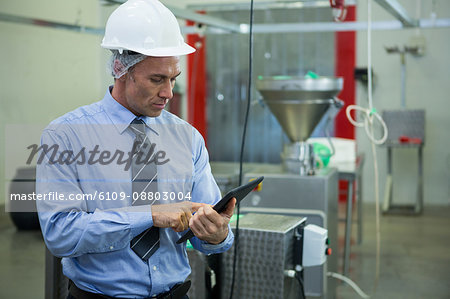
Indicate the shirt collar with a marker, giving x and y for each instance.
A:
(120, 116)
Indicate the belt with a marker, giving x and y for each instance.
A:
(176, 292)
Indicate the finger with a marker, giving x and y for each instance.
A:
(188, 218)
(187, 215)
(228, 212)
(196, 224)
(178, 224)
(197, 205)
(186, 210)
(183, 224)
(209, 220)
(211, 214)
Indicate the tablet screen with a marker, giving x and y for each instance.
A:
(239, 193)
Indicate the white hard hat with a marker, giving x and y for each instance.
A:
(146, 27)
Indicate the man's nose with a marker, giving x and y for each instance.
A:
(166, 90)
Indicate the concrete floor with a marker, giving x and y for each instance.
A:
(415, 257)
(21, 261)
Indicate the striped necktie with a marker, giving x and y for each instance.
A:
(144, 176)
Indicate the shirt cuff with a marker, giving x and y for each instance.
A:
(223, 246)
(140, 218)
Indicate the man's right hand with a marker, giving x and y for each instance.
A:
(176, 215)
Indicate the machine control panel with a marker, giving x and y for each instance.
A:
(315, 245)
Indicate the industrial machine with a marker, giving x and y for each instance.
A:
(299, 104)
(273, 249)
(296, 187)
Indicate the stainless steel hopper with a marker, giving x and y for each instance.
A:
(298, 104)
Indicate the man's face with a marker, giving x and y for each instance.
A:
(149, 84)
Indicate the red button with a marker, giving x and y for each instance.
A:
(328, 251)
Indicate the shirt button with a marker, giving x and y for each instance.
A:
(111, 247)
(154, 268)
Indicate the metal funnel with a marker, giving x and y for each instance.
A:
(298, 103)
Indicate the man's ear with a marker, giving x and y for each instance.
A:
(119, 68)
(123, 78)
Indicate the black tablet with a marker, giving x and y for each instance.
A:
(239, 193)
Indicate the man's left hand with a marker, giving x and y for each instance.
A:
(210, 226)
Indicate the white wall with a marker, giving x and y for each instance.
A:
(46, 72)
(427, 87)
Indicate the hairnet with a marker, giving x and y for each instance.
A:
(119, 64)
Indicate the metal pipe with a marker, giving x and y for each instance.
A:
(214, 7)
(188, 14)
(397, 10)
(344, 26)
(258, 28)
(204, 19)
(328, 27)
(50, 24)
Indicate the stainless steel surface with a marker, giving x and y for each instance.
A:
(299, 158)
(282, 190)
(298, 119)
(404, 122)
(348, 227)
(397, 10)
(410, 123)
(298, 103)
(352, 172)
(226, 174)
(291, 88)
(315, 279)
(265, 251)
(389, 207)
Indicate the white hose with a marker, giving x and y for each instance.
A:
(368, 115)
(369, 51)
(349, 282)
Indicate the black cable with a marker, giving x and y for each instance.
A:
(300, 282)
(241, 158)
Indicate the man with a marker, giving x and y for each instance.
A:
(107, 208)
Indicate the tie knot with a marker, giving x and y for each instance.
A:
(138, 126)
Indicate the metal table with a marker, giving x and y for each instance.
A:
(388, 206)
(352, 173)
(406, 130)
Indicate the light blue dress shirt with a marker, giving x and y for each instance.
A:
(93, 234)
